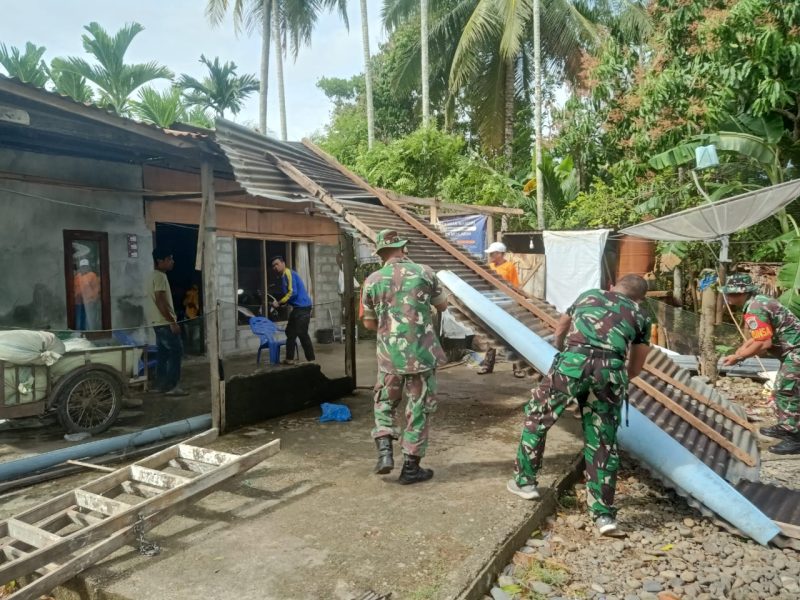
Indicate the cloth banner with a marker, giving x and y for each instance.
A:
(303, 265)
(574, 264)
(469, 232)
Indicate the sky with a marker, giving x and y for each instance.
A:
(177, 33)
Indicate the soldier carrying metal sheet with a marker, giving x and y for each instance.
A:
(598, 330)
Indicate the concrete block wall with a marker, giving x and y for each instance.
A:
(226, 294)
(326, 288)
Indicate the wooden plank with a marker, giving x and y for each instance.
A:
(203, 455)
(187, 464)
(30, 534)
(101, 504)
(789, 530)
(684, 414)
(695, 395)
(86, 465)
(468, 208)
(495, 281)
(96, 541)
(108, 482)
(157, 478)
(134, 488)
(349, 301)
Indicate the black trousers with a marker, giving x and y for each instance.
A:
(297, 328)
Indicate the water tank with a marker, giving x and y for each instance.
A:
(636, 256)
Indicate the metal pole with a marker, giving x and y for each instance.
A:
(210, 295)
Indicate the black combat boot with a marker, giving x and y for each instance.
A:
(777, 431)
(790, 445)
(385, 455)
(412, 472)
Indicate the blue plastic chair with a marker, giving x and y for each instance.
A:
(152, 350)
(272, 337)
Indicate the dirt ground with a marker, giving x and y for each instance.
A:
(314, 522)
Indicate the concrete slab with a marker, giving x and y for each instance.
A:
(314, 522)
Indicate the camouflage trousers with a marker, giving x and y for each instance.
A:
(419, 391)
(600, 386)
(787, 393)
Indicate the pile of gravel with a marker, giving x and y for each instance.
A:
(669, 552)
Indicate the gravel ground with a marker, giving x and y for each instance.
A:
(668, 551)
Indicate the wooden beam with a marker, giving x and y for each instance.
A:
(156, 478)
(322, 195)
(30, 534)
(101, 504)
(203, 455)
(468, 208)
(348, 299)
(494, 280)
(695, 395)
(211, 305)
(703, 428)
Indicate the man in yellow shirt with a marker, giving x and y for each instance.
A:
(508, 271)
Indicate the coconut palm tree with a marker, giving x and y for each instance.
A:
(367, 75)
(26, 66)
(116, 80)
(426, 73)
(250, 15)
(222, 89)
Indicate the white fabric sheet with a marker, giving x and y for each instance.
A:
(574, 264)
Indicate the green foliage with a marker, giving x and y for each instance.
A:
(601, 207)
(789, 277)
(26, 66)
(116, 80)
(69, 83)
(220, 90)
(159, 108)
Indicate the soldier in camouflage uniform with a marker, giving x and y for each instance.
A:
(396, 302)
(772, 327)
(598, 328)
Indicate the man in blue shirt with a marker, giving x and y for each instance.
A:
(296, 296)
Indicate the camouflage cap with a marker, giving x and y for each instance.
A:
(738, 283)
(388, 238)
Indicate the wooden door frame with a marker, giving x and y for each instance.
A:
(101, 237)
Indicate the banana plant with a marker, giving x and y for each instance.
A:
(789, 276)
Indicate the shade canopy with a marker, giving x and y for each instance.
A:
(711, 221)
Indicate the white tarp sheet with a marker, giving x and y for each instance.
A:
(574, 264)
(710, 221)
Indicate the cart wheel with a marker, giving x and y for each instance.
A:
(90, 402)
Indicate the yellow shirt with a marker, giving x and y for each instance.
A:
(507, 271)
(158, 283)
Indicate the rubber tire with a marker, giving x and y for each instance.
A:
(68, 388)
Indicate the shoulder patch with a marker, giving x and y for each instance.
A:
(752, 322)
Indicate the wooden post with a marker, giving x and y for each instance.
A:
(348, 298)
(677, 286)
(708, 353)
(489, 230)
(435, 212)
(210, 296)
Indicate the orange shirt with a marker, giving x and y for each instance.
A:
(86, 288)
(507, 271)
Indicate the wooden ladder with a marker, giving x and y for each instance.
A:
(54, 541)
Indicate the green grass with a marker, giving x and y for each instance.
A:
(425, 592)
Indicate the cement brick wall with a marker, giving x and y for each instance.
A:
(226, 295)
(326, 288)
(34, 217)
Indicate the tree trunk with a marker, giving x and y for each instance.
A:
(266, 30)
(677, 286)
(367, 75)
(276, 32)
(537, 101)
(509, 114)
(423, 32)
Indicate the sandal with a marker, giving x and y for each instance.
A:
(520, 373)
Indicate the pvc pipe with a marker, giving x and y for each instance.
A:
(32, 464)
(643, 439)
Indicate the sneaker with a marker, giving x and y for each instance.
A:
(526, 492)
(778, 432)
(606, 525)
(177, 391)
(289, 362)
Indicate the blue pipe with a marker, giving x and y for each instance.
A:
(642, 438)
(14, 469)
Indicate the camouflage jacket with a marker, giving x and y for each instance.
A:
(399, 297)
(766, 318)
(607, 321)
